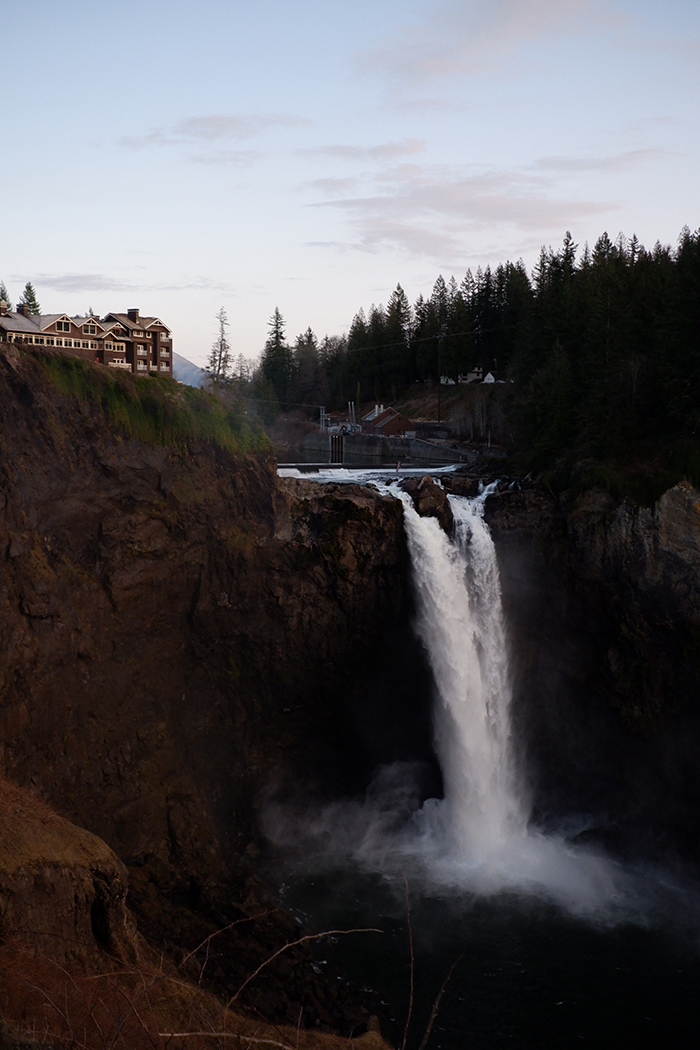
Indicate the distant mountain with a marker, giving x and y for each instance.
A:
(187, 372)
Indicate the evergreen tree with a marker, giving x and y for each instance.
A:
(5, 295)
(276, 361)
(29, 299)
(305, 368)
(336, 382)
(218, 367)
(426, 332)
(241, 372)
(397, 356)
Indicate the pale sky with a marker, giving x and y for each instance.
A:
(310, 154)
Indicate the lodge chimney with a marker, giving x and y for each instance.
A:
(23, 309)
(3, 308)
(133, 315)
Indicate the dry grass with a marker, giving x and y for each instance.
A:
(139, 1008)
(32, 833)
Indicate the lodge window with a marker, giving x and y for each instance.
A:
(89, 329)
(63, 326)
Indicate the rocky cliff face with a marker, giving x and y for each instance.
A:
(177, 628)
(181, 635)
(604, 606)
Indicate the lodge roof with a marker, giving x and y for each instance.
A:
(14, 322)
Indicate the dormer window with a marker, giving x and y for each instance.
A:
(63, 326)
(89, 329)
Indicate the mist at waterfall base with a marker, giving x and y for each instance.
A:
(556, 943)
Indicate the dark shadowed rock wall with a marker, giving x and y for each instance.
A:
(179, 631)
(603, 603)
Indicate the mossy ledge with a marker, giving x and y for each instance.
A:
(155, 409)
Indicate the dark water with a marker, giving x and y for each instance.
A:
(526, 974)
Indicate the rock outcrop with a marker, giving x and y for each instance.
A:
(62, 890)
(430, 501)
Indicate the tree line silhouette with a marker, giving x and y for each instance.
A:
(599, 349)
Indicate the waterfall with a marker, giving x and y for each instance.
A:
(478, 836)
(460, 622)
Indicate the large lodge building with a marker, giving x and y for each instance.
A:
(136, 344)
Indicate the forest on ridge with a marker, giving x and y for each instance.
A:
(599, 351)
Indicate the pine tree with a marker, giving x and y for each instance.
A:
(306, 367)
(276, 360)
(5, 295)
(29, 299)
(218, 367)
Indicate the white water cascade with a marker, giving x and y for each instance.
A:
(461, 625)
(478, 836)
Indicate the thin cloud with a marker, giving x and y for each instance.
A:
(434, 211)
(85, 282)
(465, 38)
(600, 165)
(334, 186)
(99, 282)
(198, 284)
(234, 157)
(432, 105)
(213, 128)
(385, 151)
